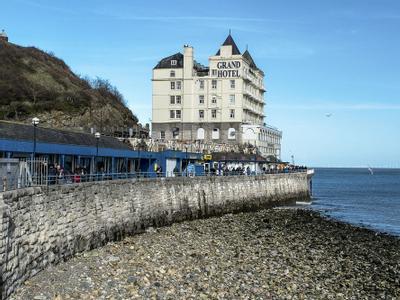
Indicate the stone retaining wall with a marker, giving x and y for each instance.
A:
(42, 226)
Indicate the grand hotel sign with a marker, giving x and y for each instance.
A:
(228, 68)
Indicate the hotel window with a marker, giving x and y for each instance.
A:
(214, 72)
(172, 114)
(202, 84)
(172, 74)
(215, 134)
(213, 113)
(231, 134)
(214, 84)
(232, 114)
(200, 133)
(201, 99)
(231, 99)
(174, 62)
(162, 135)
(175, 133)
(214, 100)
(178, 99)
(178, 114)
(201, 114)
(172, 100)
(232, 84)
(172, 85)
(178, 85)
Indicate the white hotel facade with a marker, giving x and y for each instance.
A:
(221, 104)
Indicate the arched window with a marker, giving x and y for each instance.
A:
(249, 134)
(215, 134)
(200, 134)
(231, 134)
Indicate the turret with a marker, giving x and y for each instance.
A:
(228, 48)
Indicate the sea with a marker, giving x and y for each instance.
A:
(359, 196)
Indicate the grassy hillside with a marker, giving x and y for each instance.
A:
(36, 83)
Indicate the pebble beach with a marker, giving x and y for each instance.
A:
(270, 254)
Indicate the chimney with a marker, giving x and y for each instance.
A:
(187, 61)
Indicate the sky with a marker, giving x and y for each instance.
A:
(338, 57)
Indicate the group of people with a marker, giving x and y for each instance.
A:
(58, 175)
(238, 170)
(247, 170)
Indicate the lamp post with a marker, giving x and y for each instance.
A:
(97, 136)
(187, 162)
(139, 146)
(35, 123)
(255, 157)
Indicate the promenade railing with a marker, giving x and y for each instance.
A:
(61, 179)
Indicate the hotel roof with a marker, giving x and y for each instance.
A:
(230, 42)
(166, 63)
(247, 56)
(23, 132)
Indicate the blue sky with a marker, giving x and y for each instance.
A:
(339, 57)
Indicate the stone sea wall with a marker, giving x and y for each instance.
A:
(42, 226)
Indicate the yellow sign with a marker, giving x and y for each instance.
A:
(207, 157)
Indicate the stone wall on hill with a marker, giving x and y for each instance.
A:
(44, 225)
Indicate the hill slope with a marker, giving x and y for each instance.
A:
(36, 83)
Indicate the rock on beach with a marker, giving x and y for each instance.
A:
(270, 254)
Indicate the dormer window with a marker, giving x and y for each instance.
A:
(174, 62)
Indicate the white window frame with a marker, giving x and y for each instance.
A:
(178, 114)
(172, 73)
(201, 113)
(232, 113)
(215, 134)
(201, 84)
(200, 133)
(162, 135)
(201, 99)
(174, 62)
(233, 83)
(175, 133)
(178, 99)
(214, 84)
(172, 99)
(230, 135)
(172, 85)
(213, 114)
(178, 85)
(232, 99)
(172, 114)
(214, 99)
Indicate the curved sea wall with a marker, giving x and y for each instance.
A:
(42, 226)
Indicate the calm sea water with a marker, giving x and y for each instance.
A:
(357, 197)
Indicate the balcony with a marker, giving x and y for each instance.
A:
(253, 97)
(252, 110)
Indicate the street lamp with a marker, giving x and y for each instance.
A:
(138, 148)
(255, 157)
(35, 123)
(97, 136)
(187, 162)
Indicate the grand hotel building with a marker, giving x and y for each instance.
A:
(222, 103)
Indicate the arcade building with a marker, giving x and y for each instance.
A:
(222, 103)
